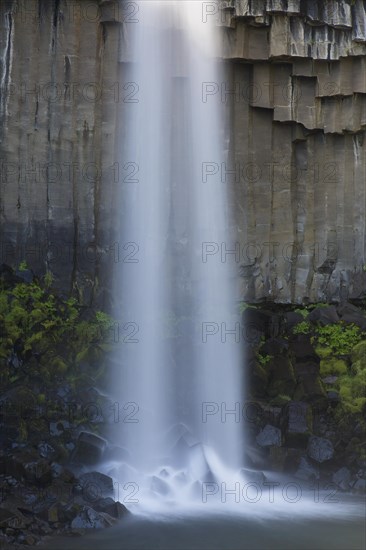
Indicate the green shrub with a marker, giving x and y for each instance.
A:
(34, 323)
(339, 338)
(264, 359)
(302, 328)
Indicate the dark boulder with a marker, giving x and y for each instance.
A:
(303, 349)
(299, 423)
(352, 314)
(89, 449)
(257, 378)
(307, 471)
(87, 518)
(282, 376)
(275, 346)
(254, 476)
(112, 508)
(25, 275)
(342, 478)
(8, 276)
(260, 321)
(324, 315)
(270, 435)
(95, 486)
(292, 319)
(320, 449)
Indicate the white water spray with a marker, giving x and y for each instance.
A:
(183, 369)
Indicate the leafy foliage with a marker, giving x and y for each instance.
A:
(302, 328)
(44, 334)
(303, 311)
(340, 338)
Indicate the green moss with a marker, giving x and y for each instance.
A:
(280, 400)
(323, 352)
(302, 328)
(48, 279)
(359, 352)
(352, 389)
(303, 311)
(58, 366)
(331, 365)
(340, 338)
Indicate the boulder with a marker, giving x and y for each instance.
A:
(303, 349)
(306, 368)
(352, 314)
(282, 377)
(320, 449)
(59, 427)
(311, 389)
(54, 513)
(255, 476)
(324, 315)
(259, 320)
(89, 449)
(6, 517)
(95, 486)
(88, 518)
(299, 423)
(114, 509)
(306, 471)
(258, 378)
(38, 471)
(8, 276)
(46, 450)
(270, 435)
(26, 463)
(20, 401)
(360, 486)
(333, 397)
(342, 478)
(25, 275)
(293, 318)
(275, 346)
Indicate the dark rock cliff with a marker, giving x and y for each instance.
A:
(295, 87)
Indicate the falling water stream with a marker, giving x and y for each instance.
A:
(184, 372)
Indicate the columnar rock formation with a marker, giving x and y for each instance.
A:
(295, 88)
(299, 113)
(59, 96)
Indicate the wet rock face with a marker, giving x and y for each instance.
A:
(297, 146)
(295, 89)
(58, 102)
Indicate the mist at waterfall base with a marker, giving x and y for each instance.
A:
(183, 475)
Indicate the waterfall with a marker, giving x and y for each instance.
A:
(181, 373)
